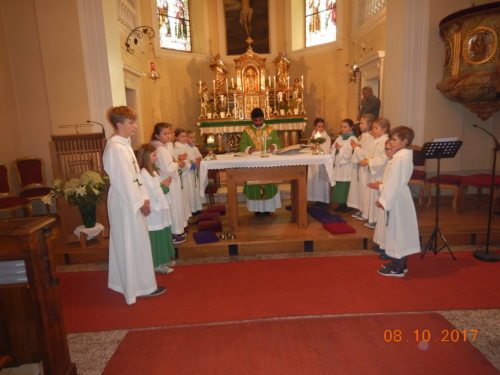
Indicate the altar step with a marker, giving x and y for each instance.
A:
(277, 234)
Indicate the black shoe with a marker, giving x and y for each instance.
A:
(288, 207)
(266, 213)
(258, 214)
(158, 292)
(378, 249)
(390, 265)
(389, 271)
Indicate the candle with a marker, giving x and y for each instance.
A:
(227, 88)
(210, 140)
(274, 83)
(302, 80)
(199, 89)
(288, 82)
(232, 82)
(269, 81)
(214, 84)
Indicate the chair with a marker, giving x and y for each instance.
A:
(213, 184)
(31, 174)
(479, 181)
(446, 181)
(419, 175)
(9, 202)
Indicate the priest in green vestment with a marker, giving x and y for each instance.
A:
(261, 198)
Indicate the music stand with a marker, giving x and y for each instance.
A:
(439, 150)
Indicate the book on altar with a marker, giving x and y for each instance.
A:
(290, 150)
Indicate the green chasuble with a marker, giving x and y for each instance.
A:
(253, 137)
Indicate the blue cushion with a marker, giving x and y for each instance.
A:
(323, 215)
(205, 236)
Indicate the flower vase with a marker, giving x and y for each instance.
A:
(88, 213)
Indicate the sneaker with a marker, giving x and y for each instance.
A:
(178, 238)
(158, 292)
(358, 216)
(389, 271)
(164, 269)
(389, 265)
(171, 263)
(370, 225)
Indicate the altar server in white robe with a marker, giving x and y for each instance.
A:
(359, 193)
(318, 184)
(130, 262)
(379, 233)
(181, 150)
(169, 167)
(401, 234)
(376, 162)
(342, 160)
(195, 157)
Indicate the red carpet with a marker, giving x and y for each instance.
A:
(288, 287)
(344, 345)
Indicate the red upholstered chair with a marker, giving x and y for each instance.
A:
(9, 202)
(31, 173)
(213, 184)
(479, 181)
(446, 181)
(419, 175)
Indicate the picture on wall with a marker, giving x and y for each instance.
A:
(246, 18)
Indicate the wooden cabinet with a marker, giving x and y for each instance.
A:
(31, 321)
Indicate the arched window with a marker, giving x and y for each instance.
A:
(321, 22)
(174, 24)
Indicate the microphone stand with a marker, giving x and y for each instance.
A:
(98, 123)
(484, 254)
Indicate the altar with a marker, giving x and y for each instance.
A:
(273, 168)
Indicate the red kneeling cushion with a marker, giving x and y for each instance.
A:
(339, 228)
(208, 216)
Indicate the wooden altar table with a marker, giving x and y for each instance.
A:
(276, 168)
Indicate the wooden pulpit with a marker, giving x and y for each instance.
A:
(31, 322)
(72, 155)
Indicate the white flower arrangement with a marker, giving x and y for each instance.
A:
(88, 189)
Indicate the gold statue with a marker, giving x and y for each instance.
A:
(217, 65)
(282, 65)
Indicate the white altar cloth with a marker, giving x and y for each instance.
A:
(227, 161)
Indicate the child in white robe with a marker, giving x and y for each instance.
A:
(379, 233)
(318, 185)
(401, 232)
(169, 167)
(376, 162)
(159, 220)
(342, 159)
(195, 157)
(361, 191)
(181, 151)
(131, 270)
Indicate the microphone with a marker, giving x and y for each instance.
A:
(97, 123)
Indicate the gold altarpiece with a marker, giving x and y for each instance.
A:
(225, 109)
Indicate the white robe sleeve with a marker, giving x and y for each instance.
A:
(166, 164)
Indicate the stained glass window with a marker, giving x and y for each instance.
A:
(321, 21)
(174, 24)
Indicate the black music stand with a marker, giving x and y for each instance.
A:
(439, 150)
